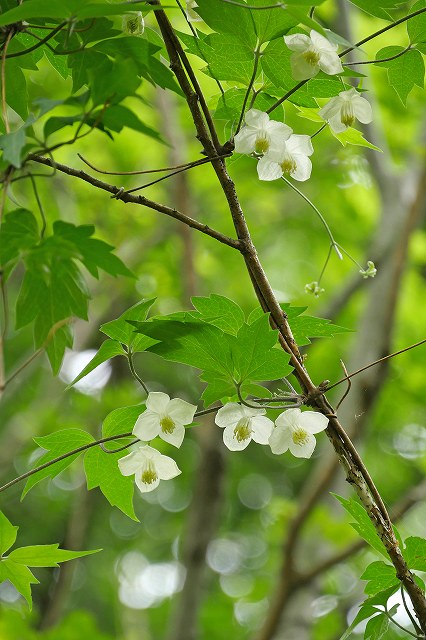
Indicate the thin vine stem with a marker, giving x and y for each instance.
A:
(249, 88)
(397, 55)
(135, 373)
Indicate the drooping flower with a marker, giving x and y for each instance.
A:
(290, 157)
(133, 23)
(242, 424)
(370, 271)
(312, 54)
(294, 430)
(314, 288)
(259, 133)
(148, 466)
(165, 418)
(342, 110)
(190, 13)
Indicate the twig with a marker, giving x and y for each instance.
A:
(187, 165)
(135, 374)
(40, 43)
(397, 55)
(9, 37)
(249, 87)
(348, 387)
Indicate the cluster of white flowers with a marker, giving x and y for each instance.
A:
(293, 430)
(282, 152)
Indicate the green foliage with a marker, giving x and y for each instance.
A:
(380, 576)
(306, 327)
(415, 553)
(362, 524)
(53, 289)
(404, 72)
(355, 137)
(15, 566)
(416, 27)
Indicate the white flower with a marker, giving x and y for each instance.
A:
(289, 157)
(259, 133)
(165, 418)
(190, 13)
(133, 23)
(149, 466)
(342, 110)
(243, 424)
(294, 430)
(312, 54)
(370, 271)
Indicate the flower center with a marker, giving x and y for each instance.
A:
(311, 57)
(167, 424)
(347, 115)
(288, 165)
(300, 436)
(149, 475)
(243, 430)
(262, 144)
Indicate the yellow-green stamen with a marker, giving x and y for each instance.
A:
(347, 115)
(288, 165)
(243, 430)
(149, 475)
(261, 145)
(311, 57)
(300, 436)
(167, 424)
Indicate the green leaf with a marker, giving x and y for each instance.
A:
(355, 137)
(108, 349)
(377, 627)
(415, 553)
(121, 420)
(378, 8)
(403, 72)
(229, 19)
(381, 598)
(8, 533)
(416, 27)
(20, 576)
(272, 24)
(120, 329)
(102, 471)
(45, 555)
(219, 311)
(18, 233)
(306, 327)
(380, 576)
(230, 105)
(12, 145)
(228, 58)
(363, 524)
(116, 117)
(56, 445)
(365, 612)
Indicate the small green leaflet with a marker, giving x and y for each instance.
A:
(230, 105)
(14, 567)
(120, 333)
(380, 576)
(416, 27)
(403, 72)
(378, 8)
(363, 524)
(355, 137)
(306, 327)
(377, 627)
(415, 553)
(101, 468)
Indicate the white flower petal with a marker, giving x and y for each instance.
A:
(181, 411)
(157, 401)
(229, 414)
(230, 440)
(301, 69)
(313, 421)
(322, 43)
(362, 109)
(147, 426)
(261, 429)
(288, 418)
(257, 119)
(245, 140)
(298, 42)
(166, 468)
(304, 450)
(279, 130)
(145, 487)
(130, 464)
(330, 63)
(336, 123)
(279, 440)
(300, 144)
(303, 168)
(175, 437)
(332, 108)
(268, 169)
